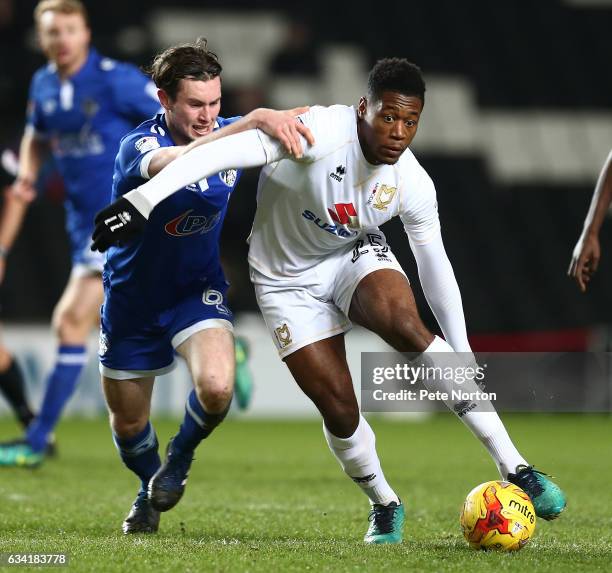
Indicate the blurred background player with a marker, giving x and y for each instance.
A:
(585, 258)
(319, 261)
(12, 384)
(166, 291)
(80, 105)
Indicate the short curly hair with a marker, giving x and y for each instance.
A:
(186, 61)
(396, 75)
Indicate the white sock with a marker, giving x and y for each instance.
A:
(358, 458)
(485, 425)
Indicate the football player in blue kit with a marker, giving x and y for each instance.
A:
(165, 293)
(80, 105)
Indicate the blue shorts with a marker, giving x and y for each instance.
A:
(84, 260)
(135, 345)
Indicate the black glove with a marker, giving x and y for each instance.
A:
(119, 222)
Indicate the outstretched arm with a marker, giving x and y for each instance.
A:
(21, 193)
(238, 151)
(13, 213)
(422, 225)
(280, 125)
(585, 258)
(125, 218)
(442, 291)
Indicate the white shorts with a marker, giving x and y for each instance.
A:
(81, 270)
(314, 306)
(88, 264)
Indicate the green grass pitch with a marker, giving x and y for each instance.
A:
(268, 496)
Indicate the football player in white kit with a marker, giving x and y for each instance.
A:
(319, 262)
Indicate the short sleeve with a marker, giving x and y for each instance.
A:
(330, 127)
(136, 152)
(419, 208)
(135, 94)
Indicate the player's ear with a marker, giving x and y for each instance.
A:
(362, 107)
(164, 98)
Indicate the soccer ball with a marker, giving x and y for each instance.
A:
(498, 515)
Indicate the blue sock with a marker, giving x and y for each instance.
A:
(140, 454)
(197, 424)
(60, 387)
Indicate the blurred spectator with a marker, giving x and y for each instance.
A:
(299, 55)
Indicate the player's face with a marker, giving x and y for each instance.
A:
(64, 39)
(387, 126)
(194, 111)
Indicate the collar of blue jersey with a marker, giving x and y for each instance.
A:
(161, 119)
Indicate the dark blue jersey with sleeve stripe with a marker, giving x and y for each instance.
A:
(178, 254)
(84, 117)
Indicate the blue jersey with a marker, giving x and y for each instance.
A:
(84, 117)
(178, 254)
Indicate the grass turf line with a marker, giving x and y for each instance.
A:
(268, 496)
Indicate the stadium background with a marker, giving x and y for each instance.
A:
(517, 123)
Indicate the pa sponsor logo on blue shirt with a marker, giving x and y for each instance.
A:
(188, 224)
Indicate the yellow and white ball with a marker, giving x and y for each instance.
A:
(498, 515)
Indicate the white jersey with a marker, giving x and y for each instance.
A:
(325, 202)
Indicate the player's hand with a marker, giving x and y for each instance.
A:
(119, 222)
(284, 126)
(23, 190)
(585, 260)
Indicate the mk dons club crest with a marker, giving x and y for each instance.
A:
(381, 197)
(283, 335)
